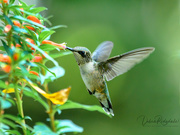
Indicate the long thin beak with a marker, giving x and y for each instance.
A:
(70, 49)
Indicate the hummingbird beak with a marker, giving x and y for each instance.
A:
(70, 49)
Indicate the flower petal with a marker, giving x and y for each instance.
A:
(61, 46)
(10, 90)
(59, 97)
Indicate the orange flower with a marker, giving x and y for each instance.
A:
(16, 23)
(30, 28)
(37, 59)
(61, 46)
(18, 45)
(5, 58)
(31, 41)
(5, 1)
(16, 56)
(6, 68)
(34, 19)
(33, 72)
(7, 28)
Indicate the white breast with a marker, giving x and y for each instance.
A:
(87, 68)
(87, 73)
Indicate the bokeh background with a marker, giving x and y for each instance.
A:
(151, 88)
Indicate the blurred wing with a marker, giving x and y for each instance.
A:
(120, 64)
(103, 51)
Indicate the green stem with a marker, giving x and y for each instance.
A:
(20, 108)
(50, 111)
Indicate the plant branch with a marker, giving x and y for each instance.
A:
(50, 110)
(20, 107)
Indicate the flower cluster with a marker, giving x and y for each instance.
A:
(25, 47)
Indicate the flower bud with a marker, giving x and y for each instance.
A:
(34, 19)
(6, 68)
(33, 72)
(7, 28)
(37, 59)
(5, 58)
(16, 23)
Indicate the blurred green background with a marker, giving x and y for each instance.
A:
(151, 88)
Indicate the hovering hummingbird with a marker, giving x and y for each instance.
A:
(97, 67)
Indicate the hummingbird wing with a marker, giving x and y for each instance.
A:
(120, 64)
(103, 51)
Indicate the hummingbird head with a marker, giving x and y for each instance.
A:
(81, 54)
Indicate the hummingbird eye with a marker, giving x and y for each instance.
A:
(82, 53)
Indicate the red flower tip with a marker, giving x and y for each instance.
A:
(7, 28)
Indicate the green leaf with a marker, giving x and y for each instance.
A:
(3, 76)
(2, 84)
(73, 105)
(47, 47)
(3, 129)
(2, 48)
(8, 20)
(11, 2)
(19, 30)
(8, 122)
(12, 117)
(7, 48)
(27, 118)
(58, 71)
(43, 66)
(33, 94)
(37, 10)
(4, 103)
(32, 33)
(58, 26)
(13, 132)
(42, 129)
(3, 132)
(65, 126)
(45, 34)
(23, 3)
(3, 126)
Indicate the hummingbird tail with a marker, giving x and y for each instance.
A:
(107, 106)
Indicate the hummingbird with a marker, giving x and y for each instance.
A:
(97, 67)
